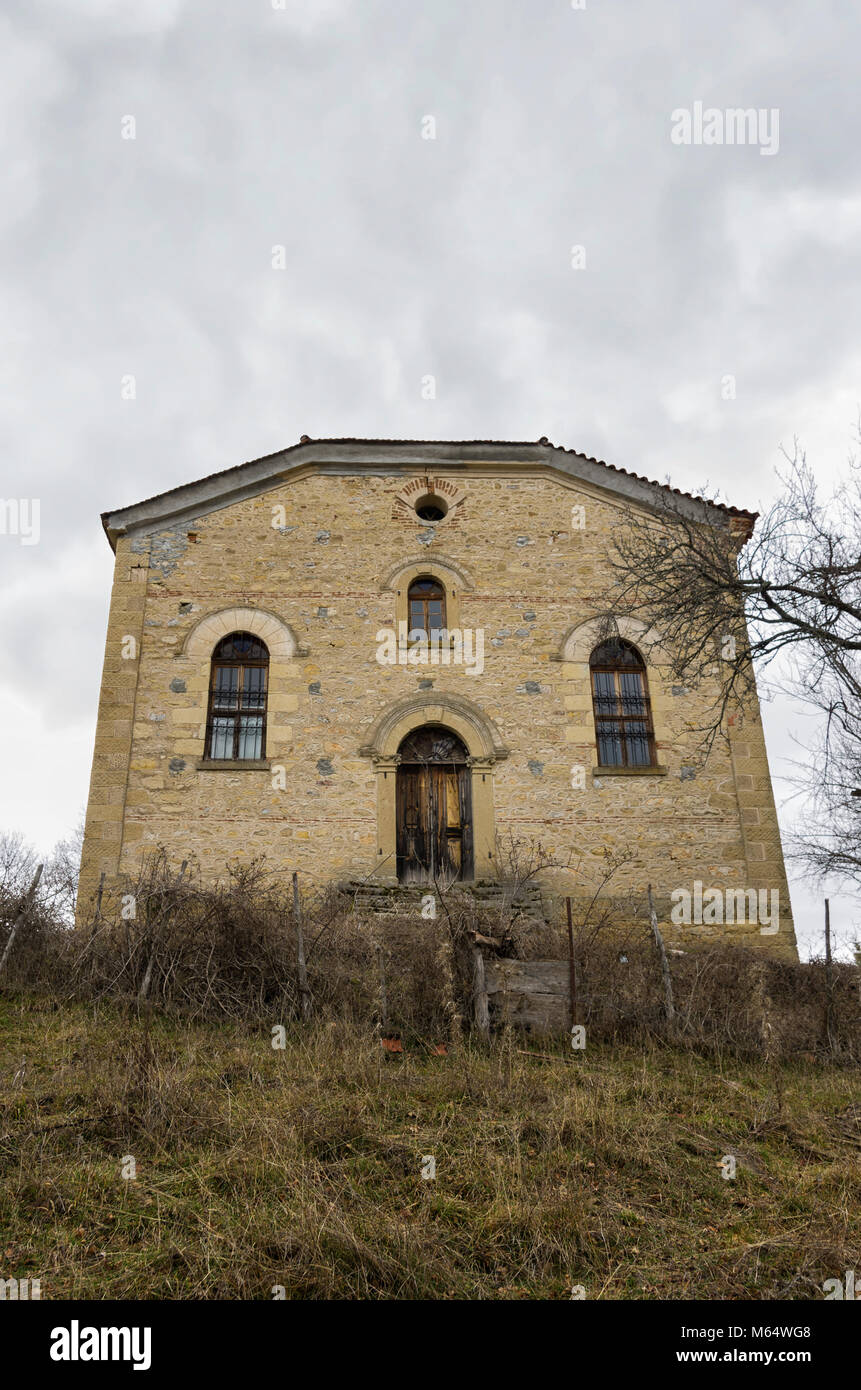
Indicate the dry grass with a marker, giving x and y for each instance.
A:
(300, 1167)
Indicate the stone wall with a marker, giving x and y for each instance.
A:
(318, 586)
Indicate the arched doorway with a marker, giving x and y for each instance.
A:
(433, 807)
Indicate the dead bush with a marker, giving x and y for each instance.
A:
(230, 951)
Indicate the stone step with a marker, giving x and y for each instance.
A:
(391, 899)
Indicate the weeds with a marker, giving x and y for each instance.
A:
(300, 1168)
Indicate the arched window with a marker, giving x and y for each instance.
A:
(236, 720)
(426, 606)
(620, 698)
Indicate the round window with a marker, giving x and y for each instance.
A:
(431, 507)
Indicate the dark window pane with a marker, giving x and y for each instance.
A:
(633, 698)
(241, 646)
(617, 653)
(605, 709)
(254, 692)
(604, 683)
(609, 745)
(226, 692)
(638, 751)
(604, 688)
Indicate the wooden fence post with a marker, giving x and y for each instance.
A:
(24, 909)
(481, 1013)
(97, 917)
(572, 967)
(384, 1011)
(669, 1008)
(829, 981)
(304, 991)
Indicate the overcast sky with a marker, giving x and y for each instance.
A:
(303, 127)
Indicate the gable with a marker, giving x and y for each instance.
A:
(405, 459)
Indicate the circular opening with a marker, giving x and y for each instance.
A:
(431, 507)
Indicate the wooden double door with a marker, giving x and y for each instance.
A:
(433, 808)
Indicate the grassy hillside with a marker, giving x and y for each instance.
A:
(302, 1167)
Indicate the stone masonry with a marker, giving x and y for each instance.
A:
(313, 550)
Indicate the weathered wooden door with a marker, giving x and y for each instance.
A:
(433, 808)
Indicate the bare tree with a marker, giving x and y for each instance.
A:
(59, 881)
(62, 868)
(725, 598)
(17, 864)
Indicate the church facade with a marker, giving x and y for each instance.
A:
(377, 660)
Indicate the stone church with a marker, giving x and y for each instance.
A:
(375, 660)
